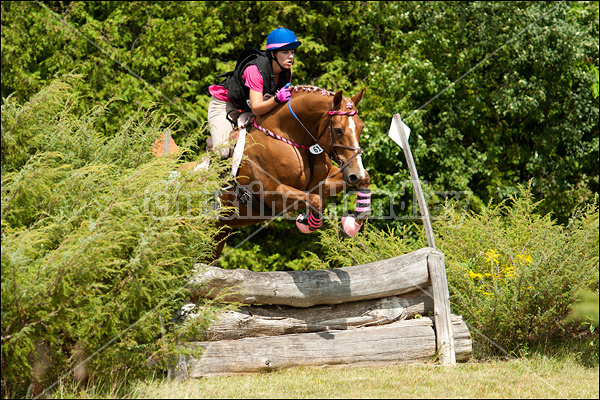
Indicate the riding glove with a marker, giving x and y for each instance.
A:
(283, 94)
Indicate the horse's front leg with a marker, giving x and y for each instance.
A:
(334, 184)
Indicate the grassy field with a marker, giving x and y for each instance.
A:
(534, 377)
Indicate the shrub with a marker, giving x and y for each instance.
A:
(368, 245)
(514, 274)
(98, 240)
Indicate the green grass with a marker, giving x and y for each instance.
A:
(532, 377)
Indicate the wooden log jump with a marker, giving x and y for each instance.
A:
(404, 342)
(386, 312)
(272, 320)
(378, 279)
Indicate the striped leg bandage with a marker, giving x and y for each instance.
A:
(362, 210)
(309, 224)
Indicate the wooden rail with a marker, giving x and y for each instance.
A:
(390, 311)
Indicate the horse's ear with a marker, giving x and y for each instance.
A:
(337, 100)
(357, 97)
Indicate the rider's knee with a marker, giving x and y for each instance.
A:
(223, 151)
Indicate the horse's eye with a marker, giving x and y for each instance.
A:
(338, 131)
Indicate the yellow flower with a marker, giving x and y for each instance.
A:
(525, 258)
(475, 275)
(492, 256)
(488, 294)
(509, 271)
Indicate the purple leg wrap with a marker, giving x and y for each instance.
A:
(362, 210)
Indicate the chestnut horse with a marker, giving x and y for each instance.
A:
(287, 162)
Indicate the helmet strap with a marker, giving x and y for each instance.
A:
(275, 58)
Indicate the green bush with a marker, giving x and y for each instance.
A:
(529, 111)
(98, 241)
(513, 274)
(369, 244)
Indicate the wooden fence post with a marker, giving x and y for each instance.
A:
(435, 263)
(441, 308)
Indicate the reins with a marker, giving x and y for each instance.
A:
(276, 136)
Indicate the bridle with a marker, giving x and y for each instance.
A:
(357, 150)
(316, 148)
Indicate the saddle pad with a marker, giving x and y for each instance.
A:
(238, 152)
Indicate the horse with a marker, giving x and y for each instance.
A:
(287, 163)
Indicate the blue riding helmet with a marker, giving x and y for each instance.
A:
(282, 39)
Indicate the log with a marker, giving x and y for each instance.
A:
(463, 343)
(411, 341)
(390, 277)
(257, 321)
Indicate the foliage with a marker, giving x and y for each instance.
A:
(512, 273)
(98, 240)
(586, 310)
(513, 85)
(369, 244)
(263, 247)
(497, 93)
(515, 274)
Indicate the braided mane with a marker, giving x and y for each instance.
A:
(308, 88)
(323, 92)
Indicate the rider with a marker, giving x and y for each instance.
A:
(258, 83)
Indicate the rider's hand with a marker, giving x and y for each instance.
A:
(283, 94)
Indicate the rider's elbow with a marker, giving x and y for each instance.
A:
(258, 111)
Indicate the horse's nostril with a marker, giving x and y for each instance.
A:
(353, 178)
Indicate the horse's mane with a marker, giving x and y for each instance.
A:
(308, 88)
(314, 90)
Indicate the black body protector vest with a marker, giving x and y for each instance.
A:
(239, 94)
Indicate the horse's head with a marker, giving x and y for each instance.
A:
(344, 128)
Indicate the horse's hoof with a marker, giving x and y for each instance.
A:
(343, 233)
(302, 224)
(349, 226)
